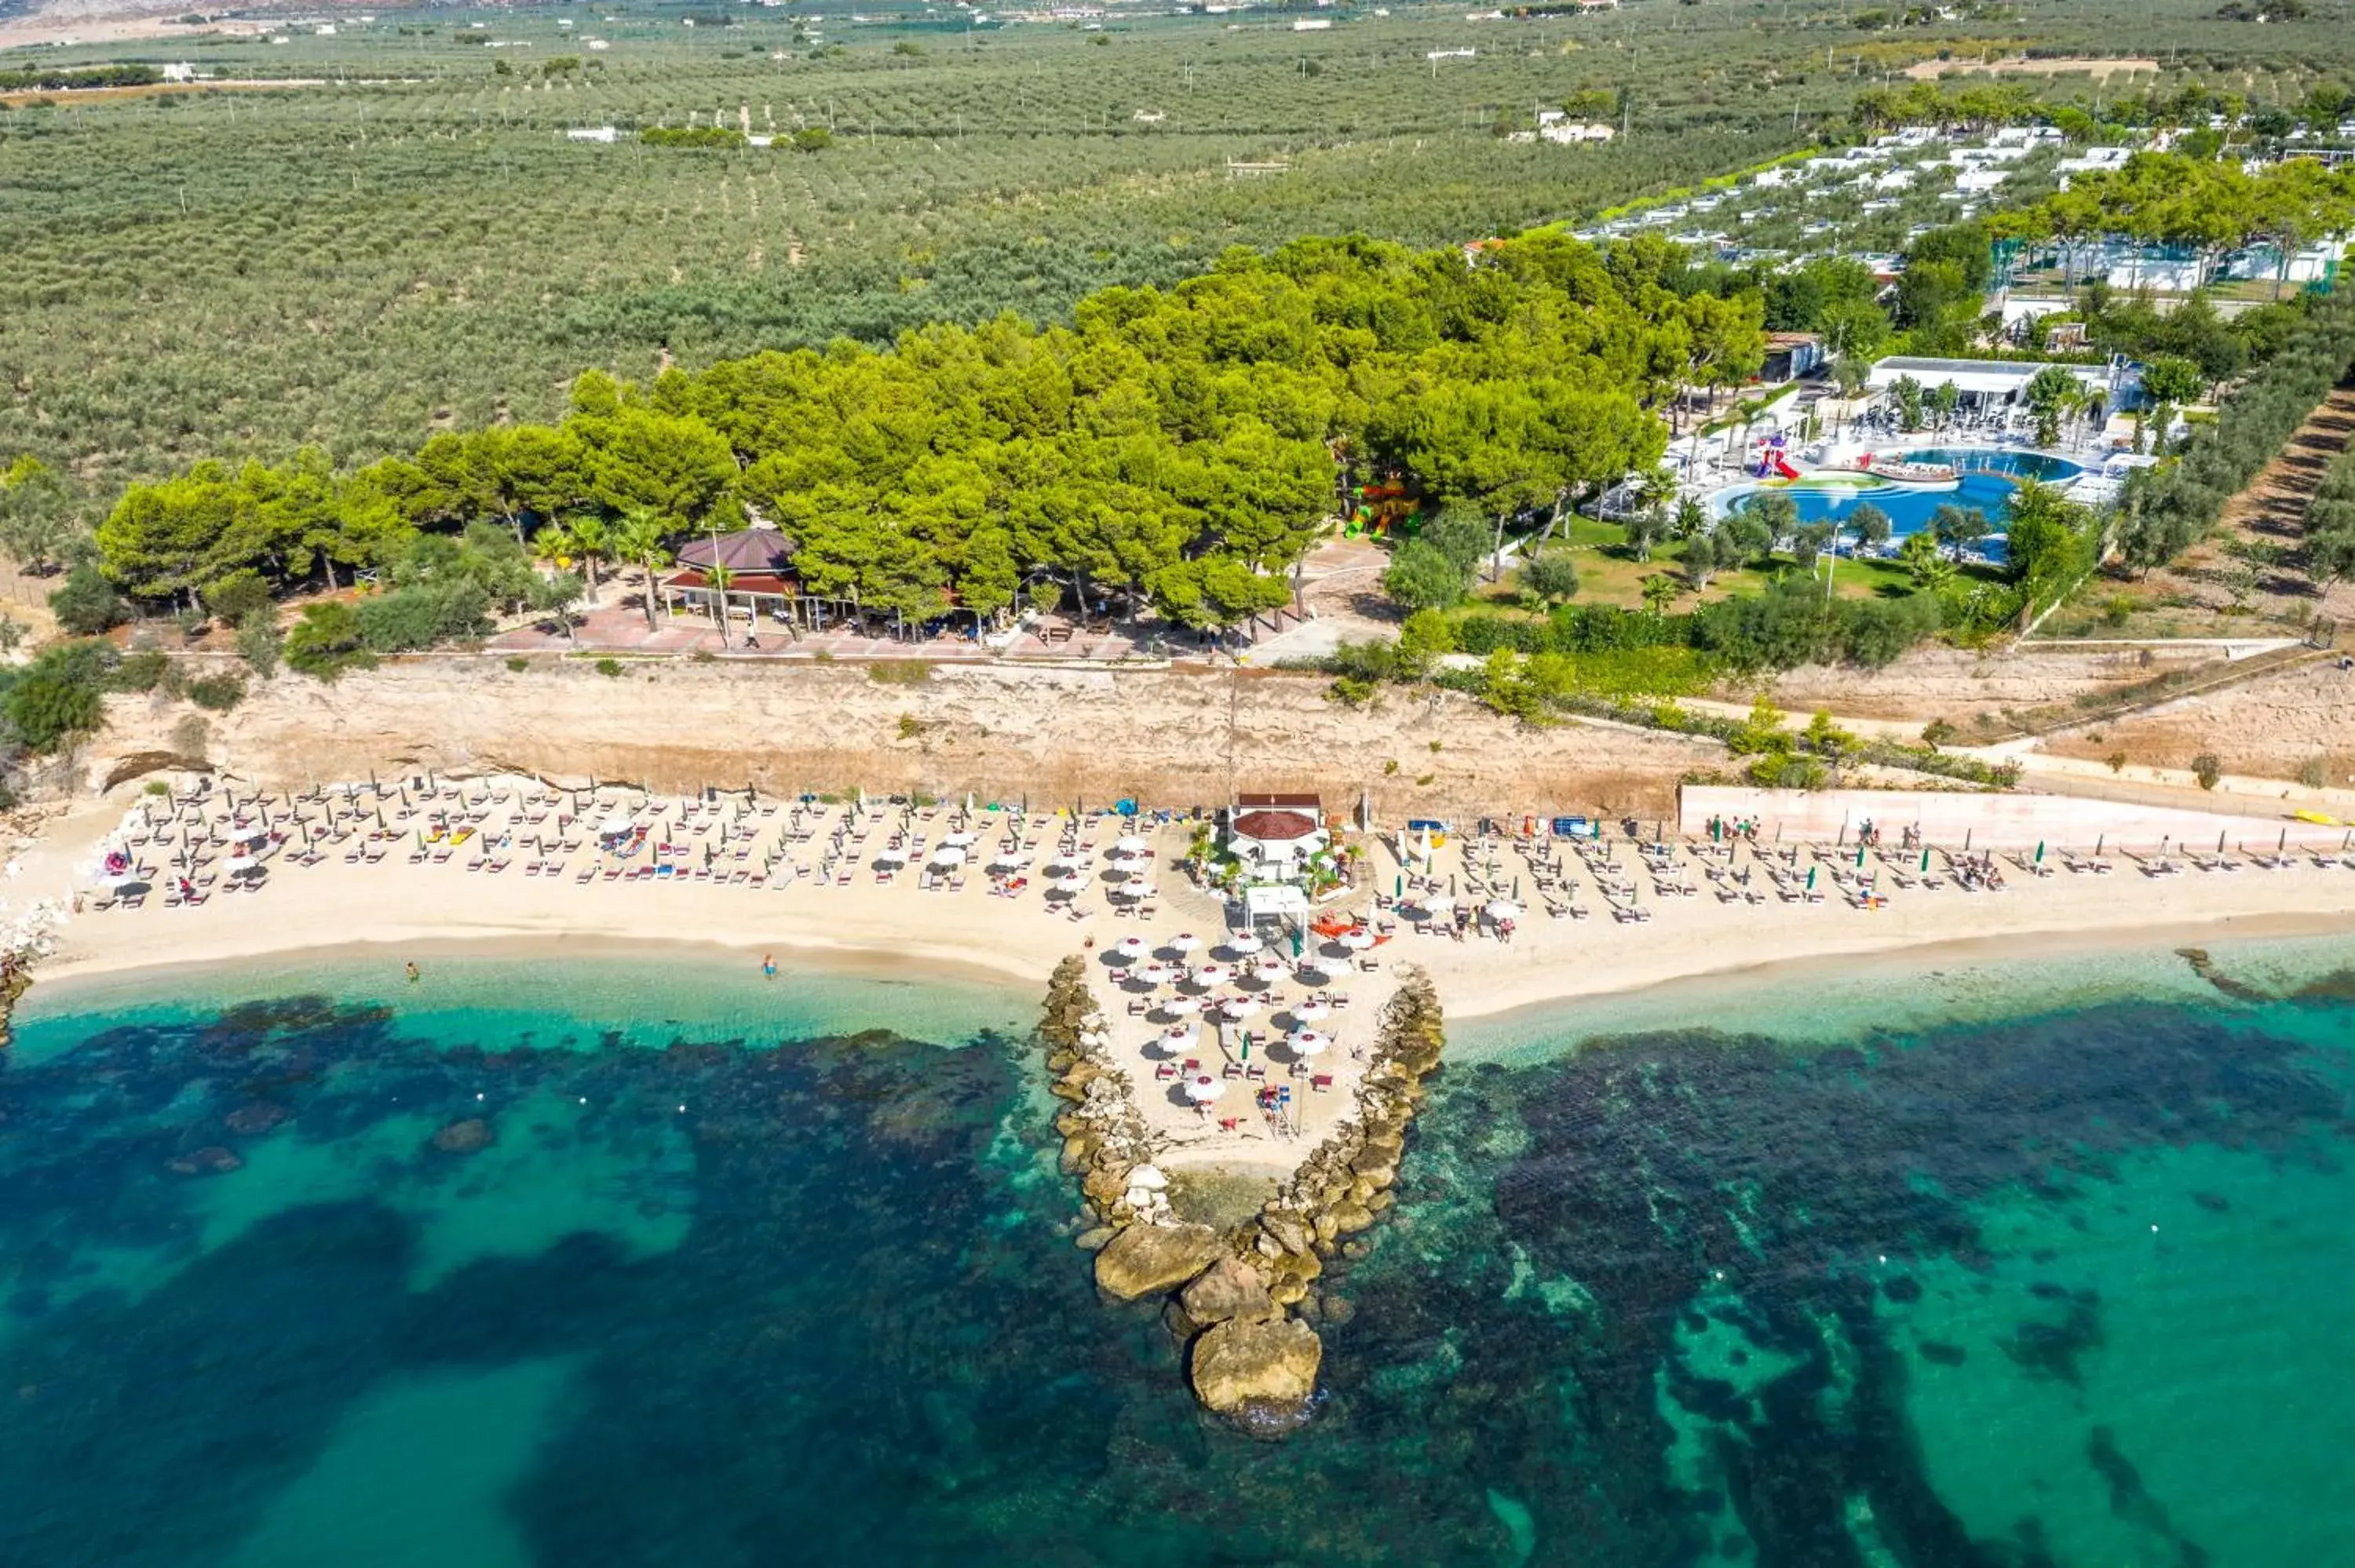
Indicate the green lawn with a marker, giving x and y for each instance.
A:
(1608, 573)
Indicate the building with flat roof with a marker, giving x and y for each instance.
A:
(2000, 383)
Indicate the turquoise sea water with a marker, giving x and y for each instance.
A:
(2024, 1266)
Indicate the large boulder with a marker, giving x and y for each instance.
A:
(1143, 1259)
(1290, 1231)
(1228, 1288)
(1259, 1369)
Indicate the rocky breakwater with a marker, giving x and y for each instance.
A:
(1239, 1301)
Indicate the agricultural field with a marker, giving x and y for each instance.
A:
(410, 243)
(235, 273)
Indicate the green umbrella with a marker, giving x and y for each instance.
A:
(2040, 852)
(1811, 879)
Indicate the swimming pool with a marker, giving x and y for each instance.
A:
(1989, 477)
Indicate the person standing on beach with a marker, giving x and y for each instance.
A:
(769, 966)
(414, 976)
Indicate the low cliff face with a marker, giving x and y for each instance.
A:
(1164, 736)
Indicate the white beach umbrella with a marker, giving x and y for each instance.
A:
(1129, 946)
(1239, 1006)
(617, 823)
(240, 864)
(961, 840)
(1131, 844)
(1311, 1013)
(1153, 973)
(890, 856)
(1357, 940)
(1308, 1041)
(1010, 861)
(1270, 971)
(1062, 865)
(250, 835)
(948, 854)
(1213, 974)
(1181, 1005)
(1185, 942)
(1502, 909)
(1202, 1089)
(1140, 890)
(1244, 942)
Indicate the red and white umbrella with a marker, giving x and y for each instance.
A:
(1245, 943)
(1308, 1043)
(1182, 1004)
(1155, 973)
(1133, 843)
(1202, 1089)
(1311, 1013)
(1213, 974)
(1185, 942)
(1357, 940)
(1129, 946)
(1239, 1006)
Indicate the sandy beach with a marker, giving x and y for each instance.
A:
(894, 927)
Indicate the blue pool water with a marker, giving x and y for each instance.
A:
(1988, 480)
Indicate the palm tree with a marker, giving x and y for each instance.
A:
(1656, 489)
(639, 540)
(720, 579)
(592, 538)
(2095, 408)
(1660, 592)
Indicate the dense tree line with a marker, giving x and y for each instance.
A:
(1174, 450)
(2329, 527)
(63, 79)
(2167, 509)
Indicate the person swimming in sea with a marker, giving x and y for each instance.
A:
(414, 976)
(769, 965)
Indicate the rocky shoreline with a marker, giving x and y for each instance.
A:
(1242, 1300)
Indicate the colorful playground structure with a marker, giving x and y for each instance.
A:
(1769, 461)
(1380, 506)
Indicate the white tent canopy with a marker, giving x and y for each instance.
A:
(1276, 901)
